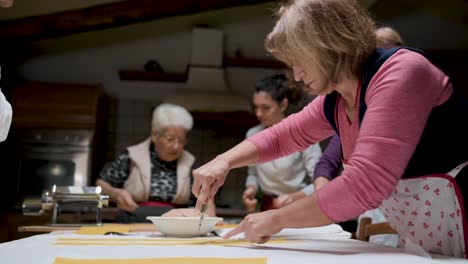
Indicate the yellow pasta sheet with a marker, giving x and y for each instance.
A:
(163, 261)
(110, 241)
(101, 230)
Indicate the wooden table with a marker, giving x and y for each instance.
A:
(140, 227)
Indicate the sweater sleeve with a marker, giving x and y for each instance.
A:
(330, 163)
(399, 100)
(310, 157)
(252, 170)
(251, 176)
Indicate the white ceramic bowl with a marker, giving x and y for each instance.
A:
(184, 226)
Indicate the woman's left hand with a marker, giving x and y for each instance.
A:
(282, 200)
(258, 227)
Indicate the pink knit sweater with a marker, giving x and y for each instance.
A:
(399, 99)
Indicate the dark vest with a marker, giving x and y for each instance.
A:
(444, 142)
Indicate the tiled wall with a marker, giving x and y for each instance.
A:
(130, 123)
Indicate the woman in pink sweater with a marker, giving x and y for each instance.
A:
(401, 125)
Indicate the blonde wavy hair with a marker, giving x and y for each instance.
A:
(333, 36)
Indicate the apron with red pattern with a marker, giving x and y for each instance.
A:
(428, 211)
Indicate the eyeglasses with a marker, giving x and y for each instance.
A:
(171, 140)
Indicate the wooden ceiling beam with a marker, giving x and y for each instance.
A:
(107, 16)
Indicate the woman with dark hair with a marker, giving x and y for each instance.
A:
(401, 123)
(283, 180)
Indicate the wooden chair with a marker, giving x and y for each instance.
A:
(367, 229)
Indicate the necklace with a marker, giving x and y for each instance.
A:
(349, 109)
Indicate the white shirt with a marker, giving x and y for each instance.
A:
(287, 174)
(5, 116)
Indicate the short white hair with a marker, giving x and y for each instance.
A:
(166, 115)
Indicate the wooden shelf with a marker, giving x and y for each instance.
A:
(136, 75)
(252, 63)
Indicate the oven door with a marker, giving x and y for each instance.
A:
(40, 167)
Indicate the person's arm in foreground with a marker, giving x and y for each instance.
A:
(280, 140)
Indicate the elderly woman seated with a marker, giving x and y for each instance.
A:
(154, 176)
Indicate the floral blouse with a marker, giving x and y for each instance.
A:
(163, 175)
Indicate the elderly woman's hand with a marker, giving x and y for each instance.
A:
(124, 200)
(208, 178)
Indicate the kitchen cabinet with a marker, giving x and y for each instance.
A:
(57, 105)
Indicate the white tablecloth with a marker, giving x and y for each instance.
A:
(39, 249)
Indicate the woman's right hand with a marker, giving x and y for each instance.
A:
(124, 200)
(249, 199)
(208, 178)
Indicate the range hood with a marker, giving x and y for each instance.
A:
(206, 88)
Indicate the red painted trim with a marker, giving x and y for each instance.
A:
(154, 203)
